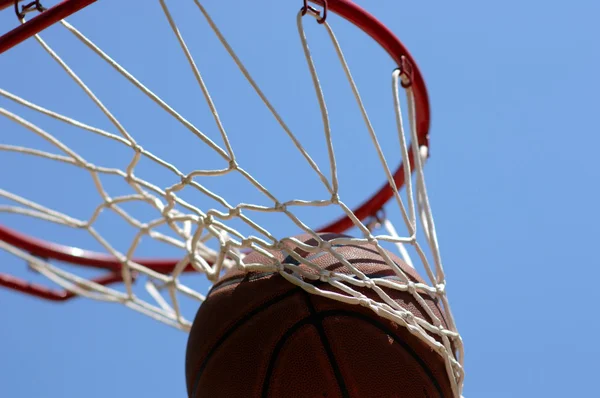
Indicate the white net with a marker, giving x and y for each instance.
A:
(213, 233)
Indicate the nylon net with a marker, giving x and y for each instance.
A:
(188, 211)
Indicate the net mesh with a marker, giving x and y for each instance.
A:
(211, 237)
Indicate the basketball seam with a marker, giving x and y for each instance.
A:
(317, 323)
(238, 279)
(312, 319)
(232, 329)
(389, 332)
(319, 317)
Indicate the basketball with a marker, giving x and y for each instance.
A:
(258, 335)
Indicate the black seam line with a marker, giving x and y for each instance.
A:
(229, 282)
(232, 329)
(317, 323)
(317, 318)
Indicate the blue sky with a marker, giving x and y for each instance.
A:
(512, 178)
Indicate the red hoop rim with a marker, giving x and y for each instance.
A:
(344, 8)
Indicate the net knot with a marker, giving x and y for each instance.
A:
(87, 165)
(372, 240)
(335, 199)
(440, 288)
(325, 245)
(410, 287)
(235, 212)
(129, 178)
(441, 330)
(165, 211)
(208, 220)
(169, 196)
(186, 179)
(108, 202)
(280, 207)
(324, 276)
(364, 302)
(408, 317)
(369, 283)
(144, 229)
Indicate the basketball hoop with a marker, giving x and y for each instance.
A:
(214, 238)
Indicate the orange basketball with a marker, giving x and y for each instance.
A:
(258, 335)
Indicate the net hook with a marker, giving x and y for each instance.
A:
(29, 7)
(306, 8)
(406, 72)
(377, 220)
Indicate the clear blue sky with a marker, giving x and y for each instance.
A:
(513, 181)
